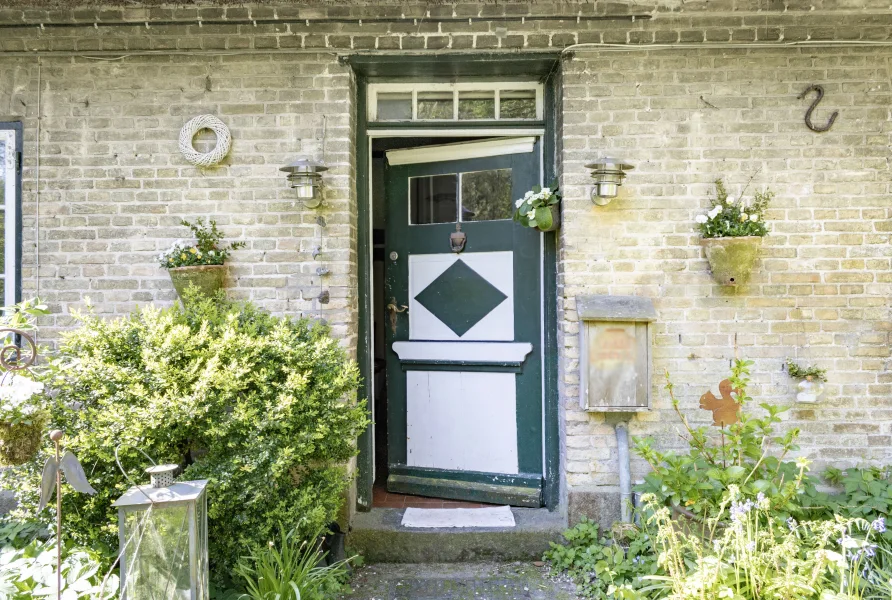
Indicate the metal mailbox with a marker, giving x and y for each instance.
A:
(615, 352)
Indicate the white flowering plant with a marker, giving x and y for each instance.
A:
(207, 249)
(733, 217)
(20, 399)
(534, 209)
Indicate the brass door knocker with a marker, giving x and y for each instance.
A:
(394, 312)
(457, 239)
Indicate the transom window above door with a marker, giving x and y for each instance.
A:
(469, 101)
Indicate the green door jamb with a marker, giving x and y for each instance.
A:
(365, 460)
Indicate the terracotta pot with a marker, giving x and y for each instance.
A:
(555, 218)
(19, 443)
(731, 259)
(207, 278)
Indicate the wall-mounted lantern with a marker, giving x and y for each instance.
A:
(608, 174)
(163, 537)
(306, 177)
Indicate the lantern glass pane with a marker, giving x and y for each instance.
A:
(158, 553)
(201, 544)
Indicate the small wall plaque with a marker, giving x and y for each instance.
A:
(615, 352)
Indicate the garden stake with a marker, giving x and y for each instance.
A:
(52, 478)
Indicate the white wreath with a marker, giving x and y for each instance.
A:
(224, 140)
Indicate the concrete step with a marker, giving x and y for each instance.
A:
(380, 538)
(458, 581)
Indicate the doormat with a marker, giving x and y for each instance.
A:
(496, 516)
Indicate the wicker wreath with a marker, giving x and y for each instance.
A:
(208, 159)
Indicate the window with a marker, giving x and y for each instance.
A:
(471, 196)
(468, 101)
(10, 201)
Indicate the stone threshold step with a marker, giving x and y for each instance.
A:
(379, 537)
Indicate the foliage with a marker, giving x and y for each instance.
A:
(290, 570)
(747, 454)
(30, 572)
(206, 251)
(754, 556)
(798, 372)
(534, 209)
(23, 315)
(261, 406)
(730, 217)
(605, 567)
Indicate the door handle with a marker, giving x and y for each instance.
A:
(392, 307)
(394, 311)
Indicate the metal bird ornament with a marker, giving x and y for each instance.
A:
(67, 464)
(52, 480)
(725, 410)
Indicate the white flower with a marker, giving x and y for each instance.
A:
(701, 218)
(754, 217)
(528, 195)
(729, 200)
(546, 191)
(715, 212)
(519, 202)
(743, 216)
(531, 214)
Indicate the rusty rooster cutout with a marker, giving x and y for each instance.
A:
(725, 410)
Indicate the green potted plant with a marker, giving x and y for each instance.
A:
(540, 208)
(200, 264)
(732, 234)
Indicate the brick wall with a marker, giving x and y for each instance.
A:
(821, 293)
(113, 186)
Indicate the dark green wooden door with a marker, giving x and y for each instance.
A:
(464, 331)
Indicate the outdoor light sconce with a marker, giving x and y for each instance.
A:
(306, 177)
(608, 174)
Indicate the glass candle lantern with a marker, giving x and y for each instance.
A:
(162, 529)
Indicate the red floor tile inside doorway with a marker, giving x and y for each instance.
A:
(381, 498)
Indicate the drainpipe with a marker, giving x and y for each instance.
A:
(625, 470)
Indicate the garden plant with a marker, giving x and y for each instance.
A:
(264, 407)
(732, 517)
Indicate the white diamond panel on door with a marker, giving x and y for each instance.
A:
(461, 297)
(461, 420)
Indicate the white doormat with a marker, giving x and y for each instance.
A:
(496, 516)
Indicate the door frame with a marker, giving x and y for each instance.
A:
(544, 67)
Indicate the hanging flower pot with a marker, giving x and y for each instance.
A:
(732, 234)
(200, 264)
(207, 278)
(555, 210)
(539, 209)
(731, 259)
(19, 442)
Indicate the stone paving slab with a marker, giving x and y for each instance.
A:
(457, 581)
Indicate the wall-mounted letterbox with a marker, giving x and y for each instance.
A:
(615, 352)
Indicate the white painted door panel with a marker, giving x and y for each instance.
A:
(462, 420)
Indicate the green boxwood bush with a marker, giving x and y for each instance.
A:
(263, 407)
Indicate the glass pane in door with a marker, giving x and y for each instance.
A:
(433, 199)
(486, 195)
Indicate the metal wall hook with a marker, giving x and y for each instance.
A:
(820, 91)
